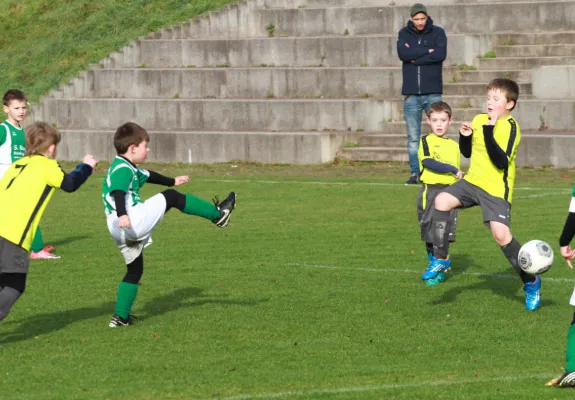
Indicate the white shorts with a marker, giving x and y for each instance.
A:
(3, 169)
(572, 300)
(144, 217)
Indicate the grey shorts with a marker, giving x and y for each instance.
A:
(494, 208)
(13, 258)
(425, 212)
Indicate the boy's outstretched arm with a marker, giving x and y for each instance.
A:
(496, 154)
(159, 179)
(438, 166)
(76, 178)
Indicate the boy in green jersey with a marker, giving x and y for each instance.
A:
(13, 148)
(131, 220)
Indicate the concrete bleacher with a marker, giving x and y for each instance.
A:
(294, 81)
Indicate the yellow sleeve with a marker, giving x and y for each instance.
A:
(53, 174)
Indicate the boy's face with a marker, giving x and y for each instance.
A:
(16, 111)
(439, 122)
(497, 104)
(139, 153)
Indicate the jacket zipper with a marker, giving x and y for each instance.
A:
(419, 73)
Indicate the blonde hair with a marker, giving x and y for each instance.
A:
(40, 136)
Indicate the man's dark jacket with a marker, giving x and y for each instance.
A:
(422, 70)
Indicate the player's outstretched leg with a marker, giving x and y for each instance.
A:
(218, 212)
(440, 261)
(531, 283)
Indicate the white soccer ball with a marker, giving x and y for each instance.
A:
(535, 257)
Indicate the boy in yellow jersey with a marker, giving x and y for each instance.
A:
(25, 191)
(13, 148)
(439, 163)
(490, 141)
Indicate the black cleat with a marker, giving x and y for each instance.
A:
(118, 321)
(226, 207)
(567, 380)
(413, 180)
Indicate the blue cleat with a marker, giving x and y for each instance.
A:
(435, 267)
(532, 294)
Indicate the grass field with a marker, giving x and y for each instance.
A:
(45, 43)
(312, 292)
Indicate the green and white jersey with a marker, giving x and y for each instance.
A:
(12, 143)
(124, 176)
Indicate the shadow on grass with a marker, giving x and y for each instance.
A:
(505, 284)
(68, 240)
(42, 324)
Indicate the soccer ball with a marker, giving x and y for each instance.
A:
(535, 257)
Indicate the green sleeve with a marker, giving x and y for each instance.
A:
(121, 179)
(3, 132)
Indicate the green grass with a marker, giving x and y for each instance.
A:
(45, 43)
(312, 292)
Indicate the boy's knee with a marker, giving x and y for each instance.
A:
(442, 202)
(501, 234)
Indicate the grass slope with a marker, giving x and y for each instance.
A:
(45, 43)
(312, 292)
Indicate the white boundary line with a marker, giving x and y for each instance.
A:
(407, 271)
(296, 182)
(390, 386)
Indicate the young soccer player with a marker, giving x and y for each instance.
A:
(490, 142)
(13, 148)
(567, 379)
(439, 163)
(25, 191)
(131, 221)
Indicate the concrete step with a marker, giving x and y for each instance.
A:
(374, 153)
(280, 82)
(476, 89)
(208, 114)
(334, 51)
(535, 149)
(379, 140)
(462, 114)
(467, 76)
(536, 50)
(521, 63)
(188, 146)
(492, 17)
(513, 38)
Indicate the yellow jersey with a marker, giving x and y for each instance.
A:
(442, 149)
(482, 172)
(25, 191)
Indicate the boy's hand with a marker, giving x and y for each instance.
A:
(90, 160)
(493, 117)
(568, 254)
(124, 222)
(459, 174)
(180, 180)
(466, 129)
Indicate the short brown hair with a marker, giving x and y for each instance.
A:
(40, 136)
(439, 106)
(129, 134)
(509, 88)
(13, 94)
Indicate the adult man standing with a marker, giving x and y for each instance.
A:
(422, 47)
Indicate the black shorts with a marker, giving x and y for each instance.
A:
(425, 207)
(494, 208)
(13, 258)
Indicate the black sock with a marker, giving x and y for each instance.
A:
(440, 224)
(429, 248)
(511, 251)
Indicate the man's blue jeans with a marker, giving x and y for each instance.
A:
(413, 106)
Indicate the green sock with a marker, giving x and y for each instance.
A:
(38, 242)
(201, 208)
(570, 352)
(126, 295)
